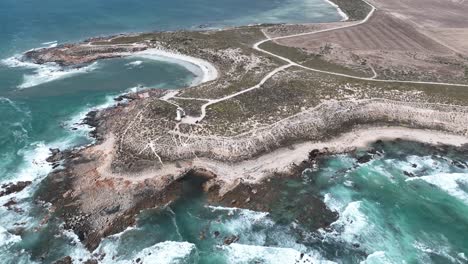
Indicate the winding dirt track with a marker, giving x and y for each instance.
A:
(193, 120)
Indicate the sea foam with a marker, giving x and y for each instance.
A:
(377, 257)
(44, 73)
(50, 44)
(239, 253)
(452, 183)
(134, 64)
(161, 253)
(350, 225)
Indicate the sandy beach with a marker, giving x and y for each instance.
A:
(204, 70)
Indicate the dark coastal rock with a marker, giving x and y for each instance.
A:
(65, 260)
(364, 158)
(201, 173)
(112, 210)
(408, 174)
(460, 164)
(10, 204)
(310, 212)
(77, 55)
(91, 119)
(56, 155)
(17, 231)
(372, 151)
(54, 151)
(314, 154)
(10, 188)
(230, 239)
(91, 227)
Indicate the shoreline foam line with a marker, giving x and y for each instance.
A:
(344, 16)
(44, 73)
(203, 70)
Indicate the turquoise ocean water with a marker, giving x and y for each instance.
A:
(384, 216)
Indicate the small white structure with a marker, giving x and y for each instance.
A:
(179, 114)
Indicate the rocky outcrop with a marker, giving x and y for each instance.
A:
(79, 54)
(10, 188)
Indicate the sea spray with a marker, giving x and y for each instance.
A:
(44, 73)
(455, 184)
(389, 209)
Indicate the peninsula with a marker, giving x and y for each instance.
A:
(269, 100)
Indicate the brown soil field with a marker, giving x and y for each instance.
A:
(445, 21)
(394, 46)
(381, 32)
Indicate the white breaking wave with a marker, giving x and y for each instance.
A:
(257, 228)
(76, 121)
(11, 103)
(240, 254)
(35, 164)
(439, 246)
(44, 73)
(454, 184)
(377, 257)
(429, 164)
(168, 252)
(52, 72)
(134, 63)
(77, 249)
(51, 44)
(243, 221)
(350, 224)
(6, 238)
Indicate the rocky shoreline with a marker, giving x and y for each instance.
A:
(120, 198)
(142, 156)
(72, 55)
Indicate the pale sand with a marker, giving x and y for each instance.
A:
(204, 70)
(280, 160)
(343, 15)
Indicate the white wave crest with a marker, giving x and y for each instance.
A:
(350, 225)
(35, 164)
(455, 184)
(51, 72)
(44, 73)
(165, 252)
(240, 254)
(134, 63)
(76, 120)
(6, 238)
(244, 219)
(377, 257)
(77, 251)
(50, 44)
